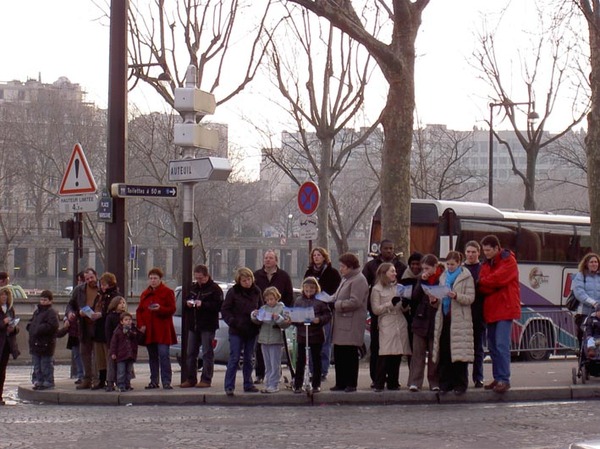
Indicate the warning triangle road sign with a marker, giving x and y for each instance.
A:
(78, 177)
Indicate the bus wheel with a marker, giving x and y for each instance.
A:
(535, 344)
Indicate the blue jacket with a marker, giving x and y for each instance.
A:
(587, 290)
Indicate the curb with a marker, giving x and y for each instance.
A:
(62, 396)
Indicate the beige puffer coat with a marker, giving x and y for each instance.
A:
(461, 324)
(393, 328)
(350, 312)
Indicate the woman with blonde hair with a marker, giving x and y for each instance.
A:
(586, 287)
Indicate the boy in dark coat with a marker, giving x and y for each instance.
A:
(42, 342)
(123, 350)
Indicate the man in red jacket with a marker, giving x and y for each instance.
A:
(499, 284)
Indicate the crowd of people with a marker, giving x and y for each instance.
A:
(433, 315)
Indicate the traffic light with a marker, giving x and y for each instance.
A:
(70, 228)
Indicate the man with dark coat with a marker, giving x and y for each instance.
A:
(85, 295)
(386, 254)
(203, 307)
(270, 275)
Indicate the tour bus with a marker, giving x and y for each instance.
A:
(548, 249)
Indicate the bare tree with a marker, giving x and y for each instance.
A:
(172, 34)
(438, 168)
(549, 62)
(591, 12)
(323, 95)
(396, 59)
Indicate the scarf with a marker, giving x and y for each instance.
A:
(450, 278)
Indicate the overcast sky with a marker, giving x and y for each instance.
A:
(65, 38)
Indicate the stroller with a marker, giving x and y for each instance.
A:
(589, 353)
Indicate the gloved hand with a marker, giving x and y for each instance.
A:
(405, 302)
(396, 300)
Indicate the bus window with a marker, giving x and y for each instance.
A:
(423, 239)
(476, 230)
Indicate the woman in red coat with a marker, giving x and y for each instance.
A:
(155, 318)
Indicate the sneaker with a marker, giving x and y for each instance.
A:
(123, 390)
(491, 385)
(350, 389)
(229, 392)
(501, 387)
(297, 390)
(188, 384)
(413, 388)
(251, 389)
(479, 384)
(99, 385)
(167, 387)
(258, 381)
(151, 386)
(270, 390)
(435, 388)
(203, 384)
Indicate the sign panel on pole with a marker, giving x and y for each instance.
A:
(78, 203)
(201, 169)
(308, 227)
(78, 177)
(125, 190)
(308, 198)
(105, 207)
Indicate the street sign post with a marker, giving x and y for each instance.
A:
(128, 190)
(201, 169)
(105, 207)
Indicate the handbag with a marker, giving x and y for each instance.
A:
(572, 302)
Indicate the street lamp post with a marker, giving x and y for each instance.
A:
(532, 116)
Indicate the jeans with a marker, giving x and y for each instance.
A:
(158, 358)
(43, 370)
(499, 345)
(272, 357)
(195, 340)
(76, 355)
(326, 349)
(124, 370)
(236, 345)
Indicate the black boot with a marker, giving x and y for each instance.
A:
(101, 381)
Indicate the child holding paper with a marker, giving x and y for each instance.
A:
(453, 331)
(423, 325)
(271, 320)
(316, 335)
(393, 329)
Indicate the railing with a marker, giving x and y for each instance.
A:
(540, 333)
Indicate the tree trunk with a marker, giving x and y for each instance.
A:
(592, 140)
(397, 121)
(529, 203)
(324, 190)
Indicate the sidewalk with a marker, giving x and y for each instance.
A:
(541, 381)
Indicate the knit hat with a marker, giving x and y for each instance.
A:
(415, 257)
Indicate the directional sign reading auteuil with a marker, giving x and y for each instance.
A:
(201, 169)
(127, 190)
